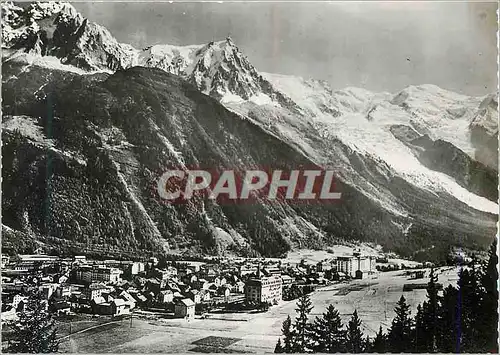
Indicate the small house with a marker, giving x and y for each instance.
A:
(166, 296)
(62, 307)
(205, 296)
(120, 307)
(184, 308)
(223, 291)
(194, 295)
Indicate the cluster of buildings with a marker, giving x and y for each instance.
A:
(117, 287)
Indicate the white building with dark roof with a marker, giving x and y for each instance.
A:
(184, 308)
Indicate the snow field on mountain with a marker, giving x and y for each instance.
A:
(356, 132)
(434, 111)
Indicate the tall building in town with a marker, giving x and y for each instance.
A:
(350, 264)
(98, 273)
(264, 288)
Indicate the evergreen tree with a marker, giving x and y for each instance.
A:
(420, 340)
(470, 297)
(430, 314)
(302, 340)
(450, 323)
(379, 343)
(367, 345)
(399, 337)
(488, 311)
(426, 331)
(35, 331)
(328, 334)
(288, 335)
(354, 340)
(278, 348)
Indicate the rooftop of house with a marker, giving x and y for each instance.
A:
(186, 302)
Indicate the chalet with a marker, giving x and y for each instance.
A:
(194, 295)
(139, 298)
(136, 268)
(184, 308)
(108, 296)
(61, 307)
(93, 291)
(166, 296)
(219, 281)
(127, 297)
(205, 296)
(223, 291)
(213, 288)
(238, 287)
(120, 307)
(96, 304)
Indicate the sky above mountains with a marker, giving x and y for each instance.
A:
(382, 46)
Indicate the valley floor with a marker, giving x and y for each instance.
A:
(374, 298)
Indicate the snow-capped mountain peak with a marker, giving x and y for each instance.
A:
(57, 29)
(42, 10)
(217, 68)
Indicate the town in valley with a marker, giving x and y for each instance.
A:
(181, 305)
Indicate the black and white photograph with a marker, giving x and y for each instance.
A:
(249, 177)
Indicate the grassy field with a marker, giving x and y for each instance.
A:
(374, 299)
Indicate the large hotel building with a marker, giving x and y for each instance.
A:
(264, 288)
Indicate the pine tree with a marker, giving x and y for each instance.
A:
(367, 345)
(399, 337)
(328, 334)
(35, 331)
(470, 297)
(302, 340)
(354, 339)
(488, 311)
(420, 339)
(278, 348)
(379, 343)
(288, 335)
(450, 323)
(430, 315)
